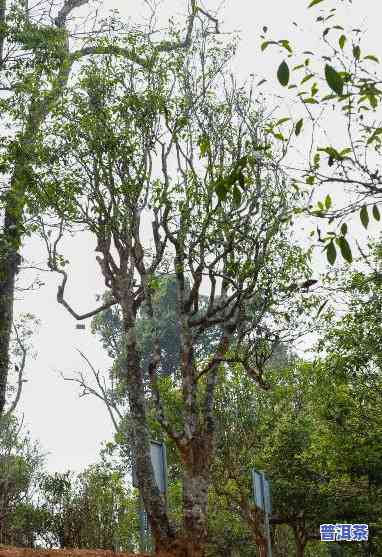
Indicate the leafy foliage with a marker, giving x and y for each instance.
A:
(355, 96)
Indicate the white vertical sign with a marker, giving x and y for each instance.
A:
(159, 464)
(262, 497)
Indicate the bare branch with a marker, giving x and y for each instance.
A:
(101, 393)
(163, 46)
(54, 266)
(67, 8)
(20, 370)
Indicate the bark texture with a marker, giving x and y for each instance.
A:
(301, 540)
(8, 270)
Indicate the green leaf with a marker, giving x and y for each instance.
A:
(265, 44)
(204, 145)
(328, 202)
(364, 216)
(314, 2)
(310, 180)
(329, 97)
(181, 122)
(373, 101)
(376, 213)
(331, 252)
(356, 52)
(284, 43)
(283, 74)
(281, 121)
(342, 41)
(310, 101)
(344, 229)
(314, 89)
(345, 249)
(306, 78)
(334, 80)
(372, 57)
(299, 125)
(374, 135)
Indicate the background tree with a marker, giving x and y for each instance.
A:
(307, 433)
(352, 410)
(20, 465)
(92, 509)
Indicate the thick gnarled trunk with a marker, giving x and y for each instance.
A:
(196, 457)
(196, 482)
(195, 499)
(154, 503)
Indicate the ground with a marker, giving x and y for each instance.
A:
(8, 551)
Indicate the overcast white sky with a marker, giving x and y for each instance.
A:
(70, 428)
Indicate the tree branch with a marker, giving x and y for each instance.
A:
(53, 266)
(163, 46)
(101, 394)
(20, 370)
(67, 8)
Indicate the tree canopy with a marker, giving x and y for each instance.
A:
(179, 176)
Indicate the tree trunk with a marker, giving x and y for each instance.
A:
(196, 482)
(9, 262)
(133, 373)
(300, 549)
(263, 548)
(196, 458)
(3, 5)
(301, 541)
(10, 243)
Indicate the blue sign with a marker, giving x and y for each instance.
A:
(262, 496)
(267, 495)
(257, 486)
(159, 464)
(261, 491)
(344, 532)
